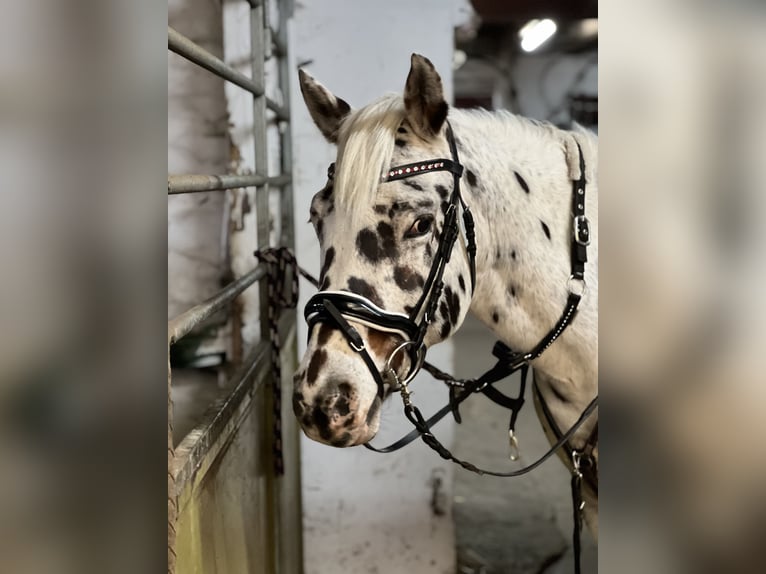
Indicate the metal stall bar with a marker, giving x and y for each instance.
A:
(290, 547)
(188, 183)
(258, 45)
(286, 149)
(185, 48)
(257, 52)
(181, 325)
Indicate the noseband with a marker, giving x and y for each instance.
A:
(339, 307)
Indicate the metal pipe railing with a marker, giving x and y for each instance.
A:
(189, 183)
(181, 325)
(193, 52)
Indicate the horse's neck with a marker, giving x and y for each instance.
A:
(518, 185)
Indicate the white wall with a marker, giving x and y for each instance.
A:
(543, 81)
(366, 512)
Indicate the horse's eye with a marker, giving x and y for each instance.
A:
(421, 226)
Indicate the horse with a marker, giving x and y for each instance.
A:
(382, 220)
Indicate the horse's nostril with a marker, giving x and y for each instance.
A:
(345, 390)
(298, 404)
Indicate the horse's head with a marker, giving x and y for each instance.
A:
(379, 240)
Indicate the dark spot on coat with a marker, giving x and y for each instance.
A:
(324, 334)
(445, 329)
(298, 403)
(361, 287)
(401, 205)
(388, 241)
(400, 143)
(471, 177)
(513, 255)
(329, 257)
(442, 191)
(331, 207)
(413, 184)
(425, 204)
(367, 244)
(453, 304)
(320, 229)
(408, 279)
(321, 420)
(401, 130)
(498, 254)
(445, 206)
(546, 230)
(409, 309)
(461, 282)
(318, 359)
(495, 317)
(521, 181)
(349, 421)
(444, 310)
(513, 291)
(326, 193)
(381, 209)
(429, 251)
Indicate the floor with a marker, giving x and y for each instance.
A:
(519, 525)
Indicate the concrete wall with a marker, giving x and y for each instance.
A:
(366, 512)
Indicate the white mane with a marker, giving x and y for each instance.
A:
(365, 147)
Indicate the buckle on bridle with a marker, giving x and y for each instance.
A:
(581, 227)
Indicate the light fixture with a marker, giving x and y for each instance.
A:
(459, 58)
(535, 32)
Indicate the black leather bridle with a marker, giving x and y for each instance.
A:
(339, 307)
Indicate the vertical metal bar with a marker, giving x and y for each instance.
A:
(260, 143)
(286, 151)
(288, 492)
(263, 223)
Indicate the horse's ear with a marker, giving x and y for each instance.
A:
(326, 110)
(424, 98)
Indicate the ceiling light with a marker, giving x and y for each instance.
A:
(535, 32)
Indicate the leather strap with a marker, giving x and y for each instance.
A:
(356, 342)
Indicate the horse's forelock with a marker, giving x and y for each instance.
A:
(365, 149)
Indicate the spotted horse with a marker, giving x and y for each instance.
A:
(399, 272)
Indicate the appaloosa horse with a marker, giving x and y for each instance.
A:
(395, 281)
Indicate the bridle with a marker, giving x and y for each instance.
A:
(338, 307)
